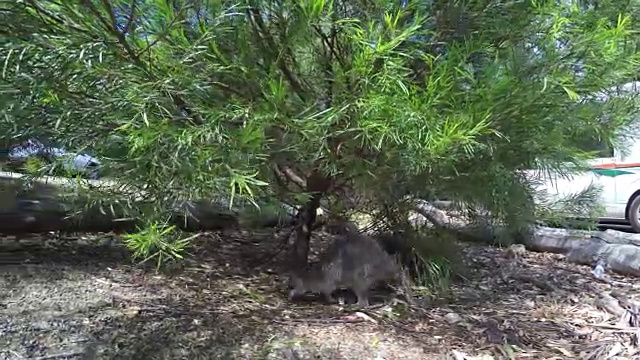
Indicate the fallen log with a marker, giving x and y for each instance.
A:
(53, 204)
(37, 207)
(620, 251)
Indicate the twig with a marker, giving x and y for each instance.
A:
(625, 329)
(148, 306)
(537, 282)
(131, 17)
(16, 354)
(61, 355)
(318, 321)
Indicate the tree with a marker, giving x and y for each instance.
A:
(303, 101)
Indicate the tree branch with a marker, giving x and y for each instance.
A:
(113, 28)
(131, 17)
(261, 31)
(289, 174)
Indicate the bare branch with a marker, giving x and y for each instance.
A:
(131, 17)
(289, 174)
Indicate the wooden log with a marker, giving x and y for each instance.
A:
(52, 203)
(620, 251)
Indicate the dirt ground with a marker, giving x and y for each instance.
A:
(80, 297)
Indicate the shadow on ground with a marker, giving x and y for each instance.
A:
(80, 297)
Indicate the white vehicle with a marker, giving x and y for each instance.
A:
(616, 172)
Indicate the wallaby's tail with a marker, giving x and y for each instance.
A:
(404, 277)
(406, 286)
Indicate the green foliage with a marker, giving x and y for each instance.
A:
(206, 99)
(434, 274)
(577, 210)
(33, 165)
(156, 241)
(437, 257)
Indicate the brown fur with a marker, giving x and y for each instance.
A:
(355, 262)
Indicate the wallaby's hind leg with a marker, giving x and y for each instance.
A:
(362, 293)
(326, 295)
(292, 295)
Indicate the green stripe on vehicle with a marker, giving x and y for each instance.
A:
(611, 172)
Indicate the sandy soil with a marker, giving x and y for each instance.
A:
(81, 297)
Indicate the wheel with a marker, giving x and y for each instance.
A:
(634, 214)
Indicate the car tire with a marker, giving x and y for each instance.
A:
(634, 214)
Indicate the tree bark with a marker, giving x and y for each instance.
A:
(317, 186)
(619, 251)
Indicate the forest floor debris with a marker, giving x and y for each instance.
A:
(78, 296)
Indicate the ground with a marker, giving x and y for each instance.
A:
(81, 297)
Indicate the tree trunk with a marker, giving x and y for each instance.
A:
(317, 186)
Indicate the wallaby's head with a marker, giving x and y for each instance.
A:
(310, 280)
(341, 228)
